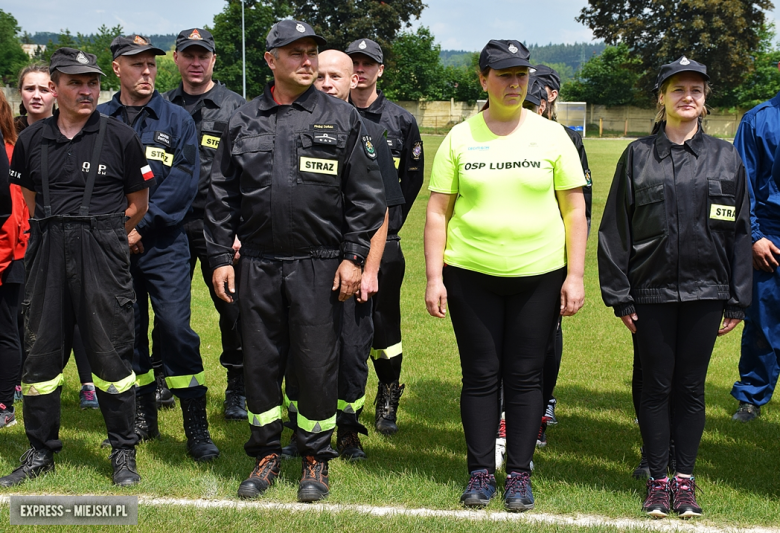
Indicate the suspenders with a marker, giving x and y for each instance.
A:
(93, 168)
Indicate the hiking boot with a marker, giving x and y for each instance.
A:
(684, 497)
(34, 463)
(642, 471)
(746, 412)
(541, 438)
(518, 496)
(235, 397)
(387, 398)
(480, 490)
(549, 412)
(7, 416)
(262, 477)
(146, 417)
(314, 484)
(349, 447)
(501, 444)
(18, 396)
(162, 394)
(196, 428)
(291, 450)
(123, 463)
(657, 501)
(88, 398)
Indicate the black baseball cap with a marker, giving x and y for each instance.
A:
(285, 32)
(681, 65)
(501, 53)
(536, 92)
(548, 77)
(132, 45)
(368, 48)
(72, 61)
(195, 37)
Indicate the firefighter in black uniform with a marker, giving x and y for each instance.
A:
(295, 177)
(160, 262)
(86, 180)
(210, 104)
(403, 138)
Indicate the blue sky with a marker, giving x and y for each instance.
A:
(457, 24)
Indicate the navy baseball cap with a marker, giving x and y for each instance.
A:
(368, 48)
(132, 45)
(548, 77)
(499, 54)
(681, 65)
(536, 92)
(195, 37)
(285, 32)
(72, 61)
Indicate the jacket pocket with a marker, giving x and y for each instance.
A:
(320, 157)
(649, 220)
(255, 156)
(721, 204)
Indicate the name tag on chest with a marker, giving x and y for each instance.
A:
(723, 212)
(210, 141)
(319, 166)
(158, 154)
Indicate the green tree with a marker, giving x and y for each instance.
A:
(722, 34)
(98, 43)
(609, 79)
(764, 81)
(12, 57)
(343, 21)
(464, 80)
(259, 16)
(168, 76)
(415, 72)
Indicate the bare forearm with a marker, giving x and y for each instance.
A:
(137, 205)
(377, 249)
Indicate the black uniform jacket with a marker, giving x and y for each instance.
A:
(211, 116)
(676, 226)
(403, 138)
(587, 190)
(294, 181)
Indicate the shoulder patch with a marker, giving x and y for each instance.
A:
(163, 138)
(417, 150)
(368, 146)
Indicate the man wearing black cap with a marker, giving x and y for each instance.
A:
(160, 261)
(210, 104)
(403, 138)
(295, 178)
(86, 180)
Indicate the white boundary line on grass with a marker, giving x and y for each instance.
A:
(588, 521)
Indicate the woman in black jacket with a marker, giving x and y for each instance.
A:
(675, 261)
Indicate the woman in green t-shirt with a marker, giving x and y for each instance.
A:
(505, 248)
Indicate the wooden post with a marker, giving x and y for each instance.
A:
(625, 129)
(601, 126)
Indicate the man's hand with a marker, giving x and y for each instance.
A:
(134, 241)
(369, 286)
(764, 252)
(728, 325)
(224, 275)
(347, 280)
(236, 248)
(629, 320)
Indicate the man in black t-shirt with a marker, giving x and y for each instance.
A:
(86, 180)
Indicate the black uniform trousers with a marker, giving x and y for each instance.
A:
(387, 302)
(161, 274)
(10, 343)
(77, 272)
(289, 314)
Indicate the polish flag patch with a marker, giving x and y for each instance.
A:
(147, 173)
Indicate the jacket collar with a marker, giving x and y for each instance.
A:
(376, 107)
(52, 132)
(212, 95)
(154, 106)
(307, 101)
(663, 146)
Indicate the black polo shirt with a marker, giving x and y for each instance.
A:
(121, 169)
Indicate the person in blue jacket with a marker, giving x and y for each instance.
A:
(757, 141)
(158, 244)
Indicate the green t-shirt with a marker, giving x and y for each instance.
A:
(506, 220)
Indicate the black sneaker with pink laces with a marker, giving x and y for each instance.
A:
(657, 501)
(684, 497)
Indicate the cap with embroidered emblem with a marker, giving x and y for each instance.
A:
(501, 53)
(683, 64)
(285, 32)
(72, 61)
(368, 48)
(195, 37)
(131, 45)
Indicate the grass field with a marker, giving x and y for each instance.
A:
(585, 469)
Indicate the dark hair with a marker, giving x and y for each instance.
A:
(35, 67)
(7, 120)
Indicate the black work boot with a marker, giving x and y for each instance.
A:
(387, 398)
(196, 428)
(146, 417)
(349, 447)
(262, 477)
(34, 463)
(123, 463)
(314, 484)
(235, 397)
(163, 394)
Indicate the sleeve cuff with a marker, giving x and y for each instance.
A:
(734, 311)
(757, 235)
(624, 309)
(216, 261)
(354, 252)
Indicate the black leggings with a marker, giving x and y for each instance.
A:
(503, 327)
(674, 343)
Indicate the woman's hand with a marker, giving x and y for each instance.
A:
(572, 295)
(629, 321)
(728, 325)
(436, 298)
